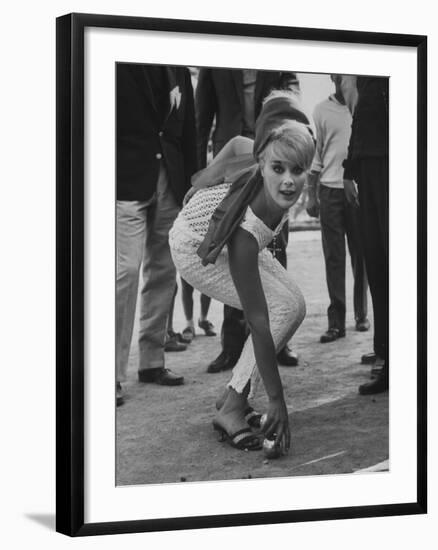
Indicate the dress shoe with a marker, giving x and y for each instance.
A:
(378, 367)
(287, 358)
(362, 325)
(331, 335)
(224, 361)
(368, 358)
(164, 377)
(378, 385)
(120, 398)
(207, 327)
(172, 343)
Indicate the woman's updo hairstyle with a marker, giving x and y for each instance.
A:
(283, 125)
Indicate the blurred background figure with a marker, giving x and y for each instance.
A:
(204, 324)
(189, 331)
(367, 164)
(337, 205)
(156, 156)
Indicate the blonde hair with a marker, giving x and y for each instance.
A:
(291, 142)
(291, 95)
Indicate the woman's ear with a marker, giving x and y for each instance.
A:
(262, 165)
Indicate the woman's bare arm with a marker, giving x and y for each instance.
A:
(243, 258)
(238, 145)
(238, 149)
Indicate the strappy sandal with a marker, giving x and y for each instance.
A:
(188, 334)
(207, 327)
(244, 440)
(253, 417)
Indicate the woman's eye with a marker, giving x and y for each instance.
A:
(297, 171)
(278, 169)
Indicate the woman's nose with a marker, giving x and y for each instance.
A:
(289, 181)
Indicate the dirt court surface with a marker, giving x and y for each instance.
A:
(165, 435)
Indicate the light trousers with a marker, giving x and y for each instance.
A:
(142, 244)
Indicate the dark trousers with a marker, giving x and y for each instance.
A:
(373, 179)
(339, 220)
(234, 327)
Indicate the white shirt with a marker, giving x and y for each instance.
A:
(333, 126)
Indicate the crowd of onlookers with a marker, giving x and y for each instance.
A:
(171, 123)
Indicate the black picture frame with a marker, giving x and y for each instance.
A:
(70, 272)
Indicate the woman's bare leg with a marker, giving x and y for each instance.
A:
(231, 415)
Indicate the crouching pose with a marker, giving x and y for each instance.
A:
(218, 243)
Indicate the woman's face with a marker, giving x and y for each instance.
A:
(283, 180)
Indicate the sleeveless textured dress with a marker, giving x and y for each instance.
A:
(284, 299)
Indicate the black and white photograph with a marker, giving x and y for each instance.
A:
(241, 274)
(252, 274)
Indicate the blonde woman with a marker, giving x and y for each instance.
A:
(218, 244)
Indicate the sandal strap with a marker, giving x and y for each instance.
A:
(253, 417)
(244, 437)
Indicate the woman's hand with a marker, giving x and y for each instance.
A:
(276, 425)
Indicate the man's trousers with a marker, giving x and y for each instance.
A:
(339, 219)
(373, 181)
(142, 242)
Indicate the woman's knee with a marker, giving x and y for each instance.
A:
(301, 307)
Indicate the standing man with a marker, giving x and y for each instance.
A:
(233, 98)
(339, 214)
(156, 156)
(367, 164)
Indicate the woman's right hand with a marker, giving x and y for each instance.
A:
(276, 425)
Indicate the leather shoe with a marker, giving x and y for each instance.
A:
(287, 358)
(368, 358)
(378, 367)
(378, 385)
(224, 361)
(164, 377)
(331, 335)
(172, 343)
(120, 398)
(362, 325)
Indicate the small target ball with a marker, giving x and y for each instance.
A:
(270, 449)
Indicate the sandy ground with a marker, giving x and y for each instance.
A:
(164, 435)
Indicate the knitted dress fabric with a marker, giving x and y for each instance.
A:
(284, 299)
